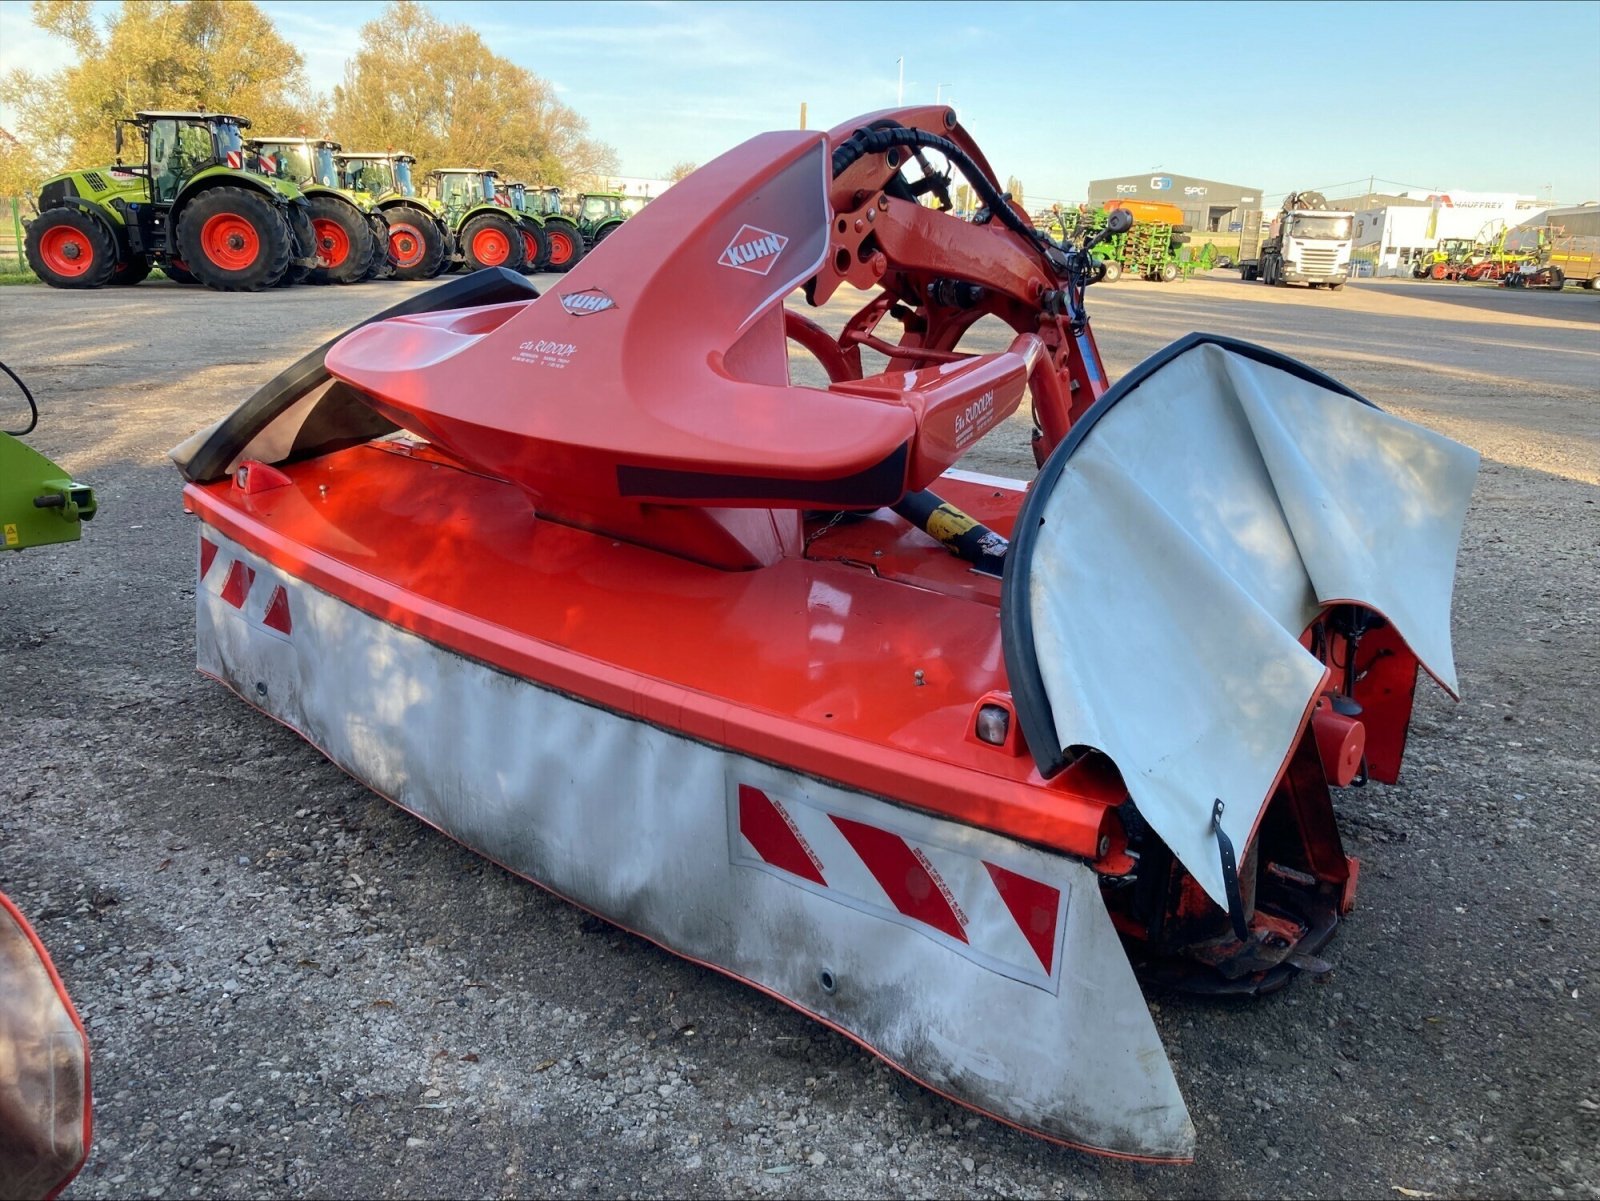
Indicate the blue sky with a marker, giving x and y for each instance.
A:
(1431, 95)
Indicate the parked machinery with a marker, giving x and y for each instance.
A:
(191, 208)
(420, 239)
(600, 214)
(1151, 250)
(536, 249)
(751, 668)
(487, 234)
(1446, 259)
(352, 238)
(561, 231)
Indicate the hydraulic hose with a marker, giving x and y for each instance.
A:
(963, 536)
(33, 407)
(875, 141)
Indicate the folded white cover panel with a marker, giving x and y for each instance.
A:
(1192, 536)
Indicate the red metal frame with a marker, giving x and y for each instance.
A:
(622, 468)
(688, 413)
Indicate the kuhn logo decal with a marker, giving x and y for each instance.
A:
(754, 250)
(581, 304)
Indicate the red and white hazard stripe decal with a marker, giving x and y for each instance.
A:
(987, 912)
(235, 159)
(234, 581)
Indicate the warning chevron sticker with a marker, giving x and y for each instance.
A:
(991, 913)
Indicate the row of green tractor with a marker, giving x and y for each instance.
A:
(210, 205)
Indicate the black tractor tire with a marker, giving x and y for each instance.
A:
(381, 264)
(1336, 287)
(447, 261)
(178, 273)
(132, 271)
(1167, 272)
(234, 239)
(416, 243)
(1113, 271)
(482, 239)
(68, 248)
(1592, 283)
(1557, 279)
(535, 247)
(343, 241)
(603, 233)
(566, 245)
(1179, 240)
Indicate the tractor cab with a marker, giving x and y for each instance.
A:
(598, 206)
(600, 213)
(302, 160)
(373, 173)
(545, 202)
(517, 196)
(462, 188)
(180, 145)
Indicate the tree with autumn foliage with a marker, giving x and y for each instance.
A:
(439, 92)
(20, 168)
(223, 55)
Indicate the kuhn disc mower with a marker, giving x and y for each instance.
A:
(754, 670)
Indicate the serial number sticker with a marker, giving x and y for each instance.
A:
(545, 353)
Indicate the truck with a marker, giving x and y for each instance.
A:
(1306, 243)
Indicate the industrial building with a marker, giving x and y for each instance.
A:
(1208, 205)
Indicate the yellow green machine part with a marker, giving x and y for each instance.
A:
(39, 503)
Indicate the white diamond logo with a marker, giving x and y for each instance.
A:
(754, 250)
(581, 304)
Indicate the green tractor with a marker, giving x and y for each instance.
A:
(560, 231)
(535, 246)
(420, 241)
(352, 238)
(1447, 260)
(191, 208)
(39, 503)
(599, 214)
(487, 234)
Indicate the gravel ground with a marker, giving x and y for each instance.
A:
(293, 989)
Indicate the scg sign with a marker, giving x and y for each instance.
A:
(1127, 189)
